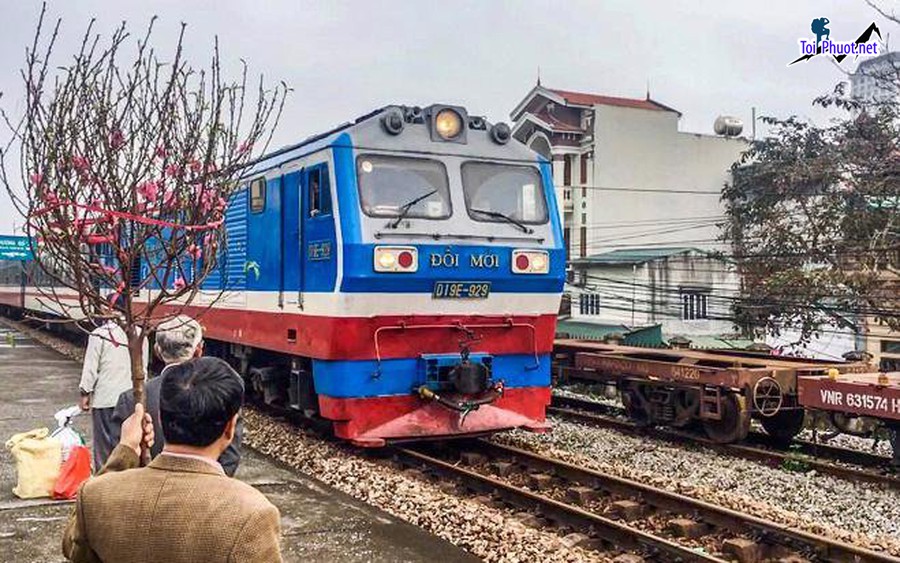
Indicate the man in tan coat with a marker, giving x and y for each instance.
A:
(182, 507)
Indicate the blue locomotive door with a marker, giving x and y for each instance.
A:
(319, 262)
(291, 270)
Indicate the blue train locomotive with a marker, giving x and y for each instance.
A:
(399, 276)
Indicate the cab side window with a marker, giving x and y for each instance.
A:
(257, 195)
(319, 191)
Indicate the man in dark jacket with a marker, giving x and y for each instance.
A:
(177, 341)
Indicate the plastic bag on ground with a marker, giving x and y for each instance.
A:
(67, 436)
(38, 457)
(73, 473)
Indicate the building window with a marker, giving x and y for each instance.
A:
(582, 251)
(584, 169)
(694, 305)
(890, 346)
(567, 240)
(567, 170)
(589, 304)
(257, 195)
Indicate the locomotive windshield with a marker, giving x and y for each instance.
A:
(499, 193)
(393, 186)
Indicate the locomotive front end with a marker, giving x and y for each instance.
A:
(453, 266)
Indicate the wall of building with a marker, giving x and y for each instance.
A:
(884, 345)
(831, 344)
(654, 292)
(638, 149)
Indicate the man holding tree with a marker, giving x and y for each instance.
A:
(106, 373)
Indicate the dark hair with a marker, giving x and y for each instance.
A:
(197, 398)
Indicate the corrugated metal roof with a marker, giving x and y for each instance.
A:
(641, 336)
(716, 342)
(634, 255)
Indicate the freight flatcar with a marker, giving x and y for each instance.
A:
(722, 390)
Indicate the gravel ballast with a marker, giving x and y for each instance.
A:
(489, 533)
(859, 513)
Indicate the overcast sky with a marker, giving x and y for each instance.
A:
(704, 58)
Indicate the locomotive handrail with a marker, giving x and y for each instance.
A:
(468, 329)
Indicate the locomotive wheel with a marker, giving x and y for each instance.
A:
(783, 425)
(734, 424)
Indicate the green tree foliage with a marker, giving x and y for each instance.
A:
(814, 221)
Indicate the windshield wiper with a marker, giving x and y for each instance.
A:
(404, 209)
(505, 217)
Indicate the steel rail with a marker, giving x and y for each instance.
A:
(619, 534)
(720, 517)
(733, 520)
(811, 454)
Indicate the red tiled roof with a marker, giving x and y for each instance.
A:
(583, 99)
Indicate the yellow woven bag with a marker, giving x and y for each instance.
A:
(38, 458)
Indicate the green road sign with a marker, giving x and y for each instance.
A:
(15, 248)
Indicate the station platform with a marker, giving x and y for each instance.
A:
(318, 523)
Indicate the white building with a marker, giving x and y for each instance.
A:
(685, 291)
(625, 174)
(876, 79)
(639, 198)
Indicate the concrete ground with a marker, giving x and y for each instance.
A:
(318, 522)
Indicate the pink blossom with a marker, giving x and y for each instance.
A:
(179, 284)
(81, 164)
(195, 251)
(161, 151)
(170, 200)
(196, 166)
(211, 167)
(111, 270)
(209, 239)
(149, 190)
(37, 178)
(116, 138)
(244, 148)
(208, 198)
(221, 204)
(173, 170)
(118, 293)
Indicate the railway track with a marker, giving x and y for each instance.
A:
(610, 510)
(758, 446)
(659, 524)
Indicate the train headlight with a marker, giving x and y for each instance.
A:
(396, 259)
(448, 124)
(530, 262)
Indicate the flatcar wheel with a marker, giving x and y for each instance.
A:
(632, 403)
(734, 424)
(783, 425)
